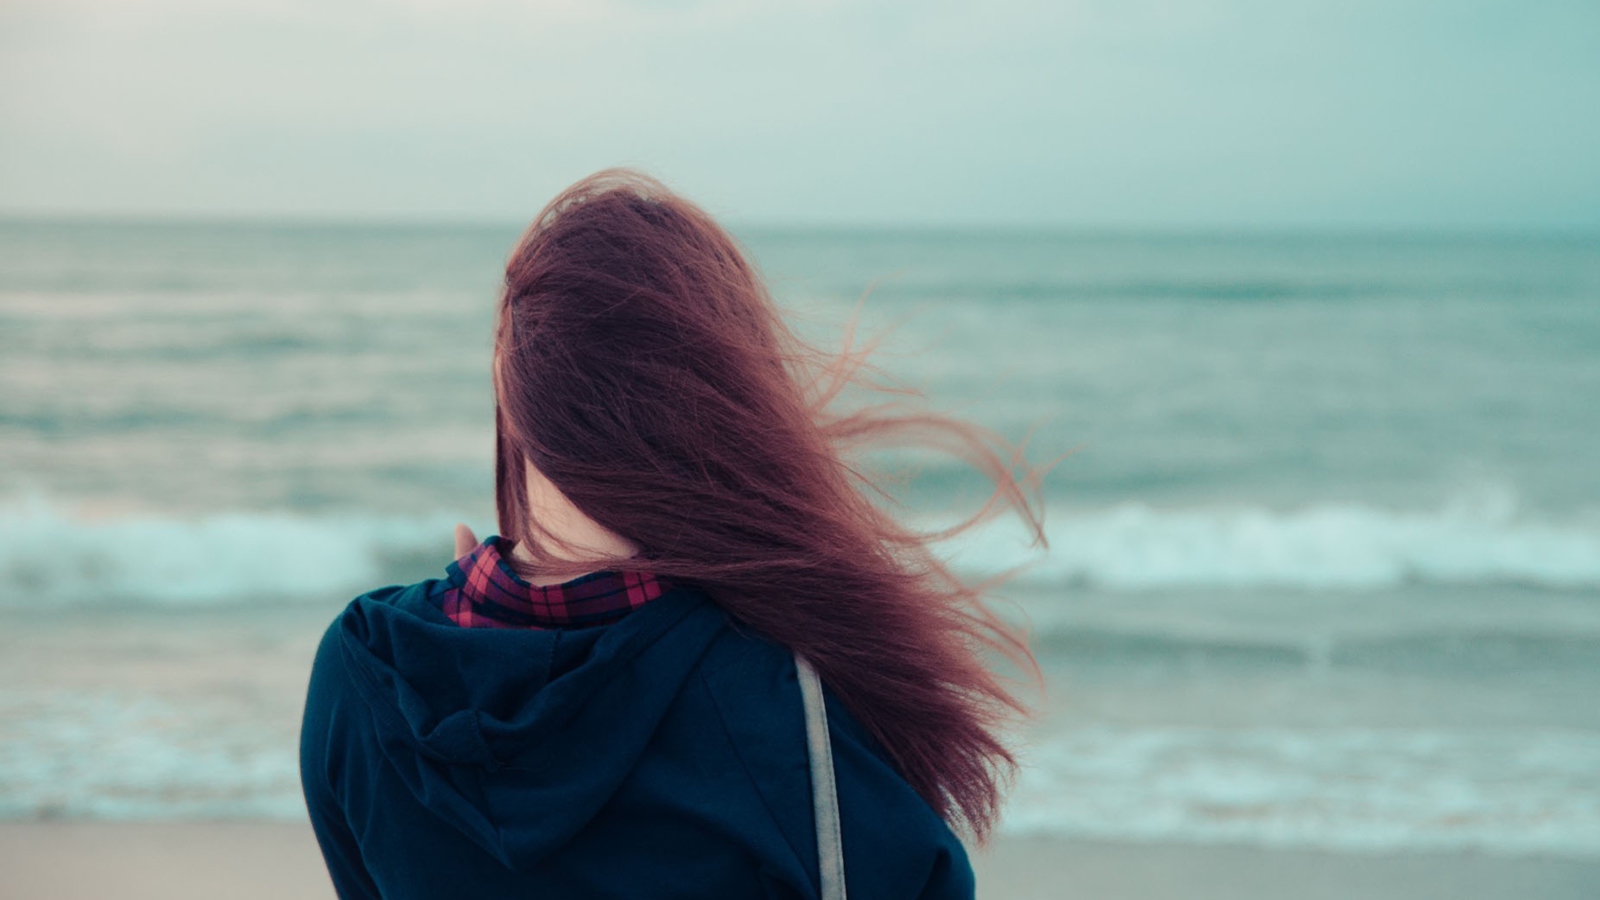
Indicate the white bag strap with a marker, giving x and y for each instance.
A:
(824, 793)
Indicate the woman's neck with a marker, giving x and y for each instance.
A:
(576, 538)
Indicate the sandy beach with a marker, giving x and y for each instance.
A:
(134, 861)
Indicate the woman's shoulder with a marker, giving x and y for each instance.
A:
(753, 674)
(354, 624)
(754, 684)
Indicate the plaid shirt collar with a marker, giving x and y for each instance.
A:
(482, 591)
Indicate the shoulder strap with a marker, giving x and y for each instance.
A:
(824, 794)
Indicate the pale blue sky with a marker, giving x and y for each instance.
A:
(1124, 114)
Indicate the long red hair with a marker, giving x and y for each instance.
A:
(643, 368)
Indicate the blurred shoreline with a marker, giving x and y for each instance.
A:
(247, 860)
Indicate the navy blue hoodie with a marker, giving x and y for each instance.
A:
(660, 756)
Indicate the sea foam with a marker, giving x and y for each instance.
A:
(102, 754)
(98, 754)
(48, 553)
(1346, 789)
(1320, 547)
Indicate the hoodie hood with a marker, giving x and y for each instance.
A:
(517, 737)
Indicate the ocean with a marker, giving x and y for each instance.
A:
(1324, 562)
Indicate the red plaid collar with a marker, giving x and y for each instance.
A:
(483, 592)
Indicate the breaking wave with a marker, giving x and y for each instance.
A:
(48, 552)
(1331, 546)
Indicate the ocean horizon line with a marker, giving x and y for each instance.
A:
(800, 227)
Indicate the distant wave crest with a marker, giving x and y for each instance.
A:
(48, 553)
(1330, 546)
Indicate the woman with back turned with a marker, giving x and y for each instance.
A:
(605, 701)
